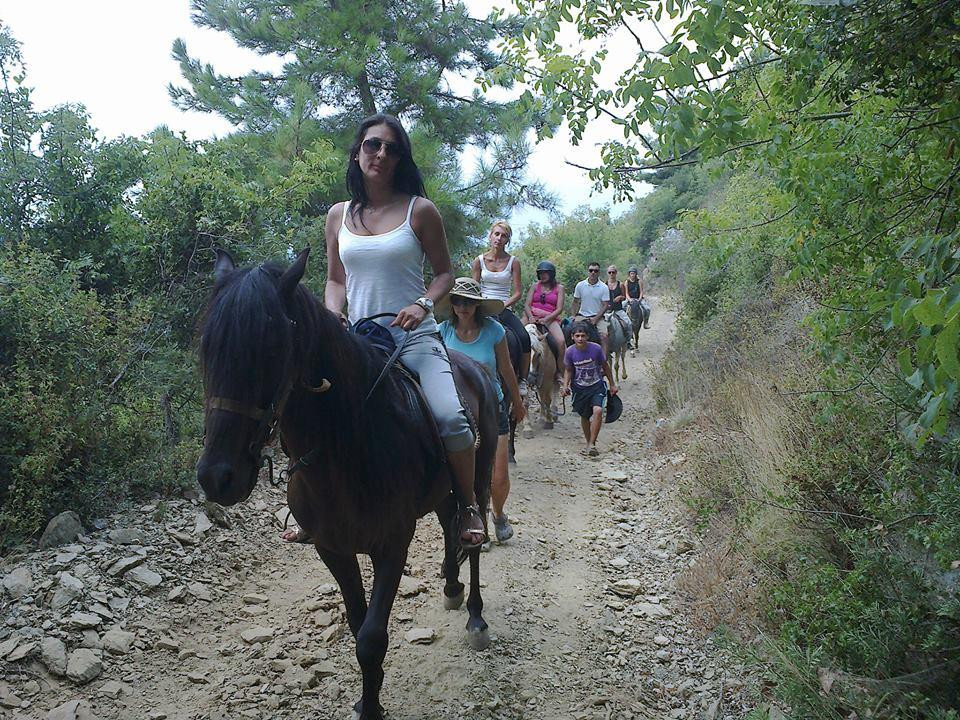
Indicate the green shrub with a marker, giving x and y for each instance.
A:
(86, 393)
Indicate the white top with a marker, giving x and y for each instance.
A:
(593, 298)
(497, 285)
(384, 271)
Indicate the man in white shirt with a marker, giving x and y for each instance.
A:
(591, 298)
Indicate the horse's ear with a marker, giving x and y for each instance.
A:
(291, 278)
(223, 264)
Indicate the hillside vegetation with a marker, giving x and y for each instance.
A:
(815, 373)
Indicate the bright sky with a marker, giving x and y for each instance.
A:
(113, 56)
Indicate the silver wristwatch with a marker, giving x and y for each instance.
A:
(424, 302)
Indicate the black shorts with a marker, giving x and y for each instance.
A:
(503, 419)
(584, 401)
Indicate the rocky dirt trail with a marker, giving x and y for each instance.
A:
(175, 610)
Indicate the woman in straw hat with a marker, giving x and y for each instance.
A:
(472, 330)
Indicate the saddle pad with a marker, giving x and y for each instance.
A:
(416, 403)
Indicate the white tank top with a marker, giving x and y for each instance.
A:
(384, 271)
(497, 285)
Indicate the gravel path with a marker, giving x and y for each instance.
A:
(585, 617)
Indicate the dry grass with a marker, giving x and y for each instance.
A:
(741, 432)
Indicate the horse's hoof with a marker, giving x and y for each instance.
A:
(548, 426)
(453, 603)
(357, 713)
(479, 639)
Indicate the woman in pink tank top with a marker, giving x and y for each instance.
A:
(545, 303)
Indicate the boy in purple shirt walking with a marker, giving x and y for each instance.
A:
(586, 366)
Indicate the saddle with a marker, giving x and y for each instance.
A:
(613, 317)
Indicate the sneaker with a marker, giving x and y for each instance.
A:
(523, 388)
(502, 528)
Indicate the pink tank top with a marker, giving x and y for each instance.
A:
(545, 299)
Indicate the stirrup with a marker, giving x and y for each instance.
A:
(479, 535)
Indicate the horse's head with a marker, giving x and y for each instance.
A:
(536, 339)
(248, 361)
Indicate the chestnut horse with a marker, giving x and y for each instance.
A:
(275, 359)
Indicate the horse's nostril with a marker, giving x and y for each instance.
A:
(215, 479)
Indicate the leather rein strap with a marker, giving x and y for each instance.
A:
(219, 403)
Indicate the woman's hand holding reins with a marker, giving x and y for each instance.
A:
(410, 317)
(518, 411)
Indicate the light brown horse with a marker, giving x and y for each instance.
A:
(543, 363)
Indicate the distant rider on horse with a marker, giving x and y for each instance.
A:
(545, 306)
(591, 300)
(498, 273)
(618, 294)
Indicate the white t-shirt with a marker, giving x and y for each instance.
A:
(593, 298)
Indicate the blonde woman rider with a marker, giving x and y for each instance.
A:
(498, 273)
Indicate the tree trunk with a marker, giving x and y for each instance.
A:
(366, 95)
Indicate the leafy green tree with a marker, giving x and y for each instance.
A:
(853, 108)
(346, 59)
(18, 125)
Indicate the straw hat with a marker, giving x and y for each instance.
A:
(469, 288)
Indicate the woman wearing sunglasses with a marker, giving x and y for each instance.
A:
(472, 330)
(545, 306)
(376, 245)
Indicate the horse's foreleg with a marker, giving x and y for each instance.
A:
(478, 634)
(453, 588)
(525, 427)
(346, 571)
(623, 361)
(547, 393)
(372, 638)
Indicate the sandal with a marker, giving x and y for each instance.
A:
(478, 535)
(300, 536)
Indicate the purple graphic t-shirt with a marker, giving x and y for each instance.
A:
(587, 365)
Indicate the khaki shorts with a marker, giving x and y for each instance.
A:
(602, 325)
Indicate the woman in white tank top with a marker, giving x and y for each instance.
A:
(499, 276)
(376, 245)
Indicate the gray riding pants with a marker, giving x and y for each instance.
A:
(425, 355)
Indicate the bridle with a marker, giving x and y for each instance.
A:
(268, 418)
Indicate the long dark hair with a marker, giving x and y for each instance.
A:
(406, 178)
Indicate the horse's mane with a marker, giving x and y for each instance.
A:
(244, 316)
(247, 315)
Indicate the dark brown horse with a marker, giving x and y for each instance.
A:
(274, 358)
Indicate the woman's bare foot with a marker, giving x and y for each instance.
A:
(295, 536)
(472, 532)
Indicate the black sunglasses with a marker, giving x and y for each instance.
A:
(372, 146)
(462, 301)
(593, 270)
(611, 272)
